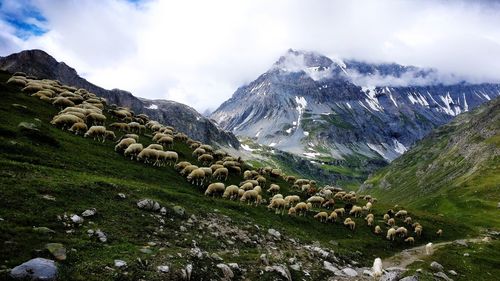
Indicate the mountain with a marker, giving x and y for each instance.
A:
(40, 64)
(332, 110)
(455, 170)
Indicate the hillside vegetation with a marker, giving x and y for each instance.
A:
(48, 174)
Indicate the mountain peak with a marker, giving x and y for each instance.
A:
(298, 60)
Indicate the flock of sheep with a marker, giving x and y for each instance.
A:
(82, 113)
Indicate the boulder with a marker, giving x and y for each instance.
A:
(436, 266)
(149, 205)
(350, 272)
(120, 264)
(35, 269)
(226, 271)
(276, 234)
(89, 212)
(57, 250)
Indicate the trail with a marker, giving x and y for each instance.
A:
(409, 256)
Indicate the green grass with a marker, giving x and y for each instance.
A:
(81, 173)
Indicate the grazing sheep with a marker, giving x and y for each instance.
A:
(274, 188)
(148, 155)
(418, 230)
(401, 213)
(231, 192)
(62, 102)
(214, 189)
(205, 159)
(181, 165)
(391, 222)
(290, 179)
(78, 127)
(292, 211)
(123, 127)
(17, 81)
(402, 231)
(221, 173)
(369, 221)
(368, 206)
(198, 152)
(316, 200)
(96, 119)
(155, 146)
(65, 120)
(214, 167)
(96, 132)
(356, 211)
(377, 268)
(258, 189)
(301, 208)
(429, 249)
(321, 216)
(262, 181)
(208, 172)
(333, 216)
(188, 169)
(171, 157)
(196, 177)
(410, 240)
(377, 230)
(166, 141)
(109, 135)
(407, 220)
(134, 127)
(439, 232)
(292, 199)
(250, 174)
(386, 217)
(350, 223)
(133, 150)
(249, 196)
(391, 234)
(278, 204)
(340, 211)
(252, 182)
(207, 148)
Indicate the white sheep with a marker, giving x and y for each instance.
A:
(350, 223)
(148, 155)
(155, 146)
(377, 268)
(166, 141)
(391, 234)
(278, 204)
(249, 196)
(292, 200)
(196, 177)
(78, 128)
(65, 120)
(205, 159)
(188, 169)
(333, 216)
(316, 200)
(321, 216)
(133, 150)
(356, 211)
(181, 165)
(231, 192)
(221, 173)
(96, 132)
(96, 118)
(429, 248)
(213, 189)
(340, 211)
(301, 208)
(273, 188)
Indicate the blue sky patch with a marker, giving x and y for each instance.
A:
(27, 21)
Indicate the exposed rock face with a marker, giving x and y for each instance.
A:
(40, 64)
(313, 106)
(35, 269)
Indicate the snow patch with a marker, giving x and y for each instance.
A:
(246, 147)
(371, 99)
(153, 106)
(311, 154)
(301, 105)
(466, 106)
(272, 144)
(348, 105)
(306, 133)
(399, 147)
(289, 131)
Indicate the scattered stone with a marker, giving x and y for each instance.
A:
(57, 250)
(486, 239)
(329, 266)
(163, 268)
(390, 276)
(90, 232)
(163, 211)
(43, 229)
(367, 272)
(350, 272)
(409, 278)
(179, 210)
(122, 195)
(77, 219)
(295, 267)
(466, 254)
(1, 219)
(16, 105)
(442, 275)
(436, 266)
(151, 244)
(145, 250)
(276, 234)
(120, 264)
(226, 271)
(101, 236)
(35, 269)
(263, 259)
(216, 257)
(281, 269)
(196, 252)
(452, 272)
(234, 266)
(148, 205)
(27, 126)
(48, 197)
(461, 242)
(89, 212)
(182, 228)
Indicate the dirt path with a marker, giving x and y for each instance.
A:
(408, 256)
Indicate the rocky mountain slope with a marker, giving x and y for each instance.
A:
(40, 64)
(454, 171)
(328, 110)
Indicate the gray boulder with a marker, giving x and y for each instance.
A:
(149, 205)
(436, 266)
(35, 269)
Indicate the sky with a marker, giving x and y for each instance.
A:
(200, 52)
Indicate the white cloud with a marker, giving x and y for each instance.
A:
(199, 52)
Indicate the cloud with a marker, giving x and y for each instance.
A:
(200, 52)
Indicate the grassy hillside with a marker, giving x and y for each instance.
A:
(49, 172)
(455, 171)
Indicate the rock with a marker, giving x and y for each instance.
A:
(281, 269)
(436, 266)
(43, 229)
(216, 257)
(390, 276)
(163, 268)
(57, 250)
(367, 272)
(163, 211)
(145, 250)
(442, 275)
(27, 126)
(35, 269)
(182, 228)
(452, 272)
(101, 236)
(16, 105)
(466, 254)
(122, 195)
(234, 266)
(179, 210)
(276, 234)
(149, 205)
(409, 278)
(263, 259)
(120, 264)
(461, 242)
(486, 239)
(89, 212)
(329, 266)
(77, 219)
(226, 271)
(196, 252)
(48, 197)
(295, 267)
(350, 272)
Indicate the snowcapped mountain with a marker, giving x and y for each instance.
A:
(330, 110)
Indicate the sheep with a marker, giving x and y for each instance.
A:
(65, 120)
(109, 135)
(418, 230)
(292, 199)
(208, 172)
(369, 216)
(134, 127)
(275, 173)
(214, 189)
(221, 173)
(258, 189)
(333, 216)
(386, 217)
(249, 174)
(252, 182)
(17, 81)
(292, 211)
(429, 249)
(340, 211)
(133, 150)
(62, 102)
(96, 119)
(197, 176)
(356, 210)
(350, 223)
(78, 127)
(402, 231)
(321, 216)
(401, 213)
(180, 137)
(235, 169)
(198, 152)
(188, 169)
(410, 240)
(377, 230)
(290, 179)
(274, 188)
(32, 87)
(171, 157)
(205, 159)
(231, 192)
(391, 234)
(214, 167)
(368, 206)
(132, 136)
(181, 165)
(407, 220)
(278, 204)
(262, 181)
(147, 155)
(316, 200)
(166, 141)
(155, 146)
(96, 132)
(301, 208)
(439, 232)
(158, 136)
(369, 221)
(250, 195)
(377, 268)
(391, 222)
(123, 127)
